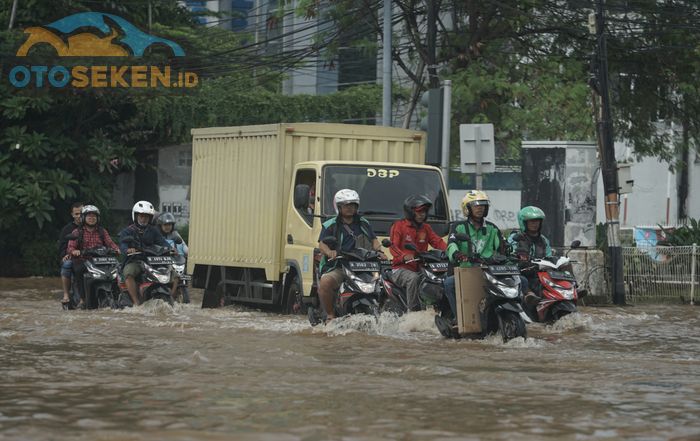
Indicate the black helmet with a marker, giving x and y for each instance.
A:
(166, 218)
(414, 201)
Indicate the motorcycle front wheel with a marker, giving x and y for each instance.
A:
(511, 325)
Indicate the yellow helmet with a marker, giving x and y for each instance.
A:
(474, 198)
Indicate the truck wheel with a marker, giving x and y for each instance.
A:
(292, 298)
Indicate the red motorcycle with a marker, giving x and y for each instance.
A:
(556, 287)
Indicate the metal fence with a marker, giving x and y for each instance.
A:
(661, 274)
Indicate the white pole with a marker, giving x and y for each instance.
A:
(693, 262)
(386, 66)
(12, 14)
(477, 155)
(446, 120)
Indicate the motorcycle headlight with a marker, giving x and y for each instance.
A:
(94, 271)
(567, 293)
(508, 287)
(510, 292)
(364, 287)
(160, 276)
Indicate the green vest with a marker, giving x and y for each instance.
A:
(485, 242)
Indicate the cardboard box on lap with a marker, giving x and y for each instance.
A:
(469, 290)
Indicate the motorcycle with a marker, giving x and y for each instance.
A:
(156, 276)
(99, 281)
(500, 309)
(360, 290)
(433, 270)
(556, 287)
(180, 266)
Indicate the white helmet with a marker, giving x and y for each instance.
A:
(344, 197)
(144, 207)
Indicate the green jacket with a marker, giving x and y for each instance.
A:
(485, 242)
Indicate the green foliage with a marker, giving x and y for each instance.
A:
(682, 236)
(39, 258)
(222, 102)
(184, 232)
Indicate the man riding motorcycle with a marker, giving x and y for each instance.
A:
(351, 231)
(412, 230)
(134, 238)
(529, 243)
(166, 224)
(485, 241)
(66, 262)
(89, 235)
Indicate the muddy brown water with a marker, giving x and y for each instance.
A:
(183, 373)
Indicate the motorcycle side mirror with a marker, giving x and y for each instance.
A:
(386, 243)
(331, 242)
(71, 237)
(178, 240)
(575, 244)
(410, 247)
(301, 196)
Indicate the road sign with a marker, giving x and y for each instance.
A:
(476, 145)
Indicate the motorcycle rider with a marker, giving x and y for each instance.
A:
(166, 223)
(485, 241)
(66, 262)
(89, 235)
(352, 231)
(413, 230)
(135, 237)
(529, 243)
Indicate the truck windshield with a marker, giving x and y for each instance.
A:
(382, 192)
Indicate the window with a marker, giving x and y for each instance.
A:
(308, 178)
(184, 158)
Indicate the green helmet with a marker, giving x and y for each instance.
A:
(529, 213)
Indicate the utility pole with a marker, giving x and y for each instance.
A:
(433, 82)
(12, 15)
(386, 66)
(150, 16)
(606, 148)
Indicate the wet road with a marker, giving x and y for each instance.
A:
(183, 373)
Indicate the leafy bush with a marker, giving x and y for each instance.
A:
(39, 258)
(688, 234)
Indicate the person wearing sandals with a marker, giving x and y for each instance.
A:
(66, 262)
(89, 235)
(352, 231)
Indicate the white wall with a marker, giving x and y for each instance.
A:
(503, 211)
(653, 186)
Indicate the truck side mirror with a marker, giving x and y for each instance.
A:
(301, 197)
(386, 243)
(331, 242)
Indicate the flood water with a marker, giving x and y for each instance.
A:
(183, 373)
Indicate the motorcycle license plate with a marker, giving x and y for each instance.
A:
(562, 275)
(104, 260)
(438, 266)
(159, 260)
(504, 270)
(363, 266)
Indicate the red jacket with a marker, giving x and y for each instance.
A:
(406, 231)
